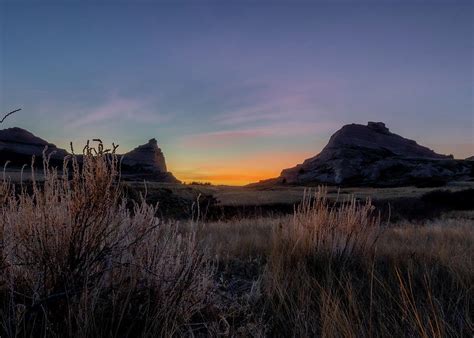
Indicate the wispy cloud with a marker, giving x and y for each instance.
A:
(269, 109)
(120, 109)
(274, 112)
(277, 101)
(225, 138)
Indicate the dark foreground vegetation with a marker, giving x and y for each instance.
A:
(79, 259)
(413, 204)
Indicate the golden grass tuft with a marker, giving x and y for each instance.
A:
(339, 230)
(328, 275)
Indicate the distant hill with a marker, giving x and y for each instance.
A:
(17, 146)
(371, 155)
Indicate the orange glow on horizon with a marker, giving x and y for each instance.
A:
(242, 171)
(227, 178)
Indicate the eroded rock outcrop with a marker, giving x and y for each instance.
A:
(146, 162)
(371, 155)
(19, 145)
(378, 137)
(148, 156)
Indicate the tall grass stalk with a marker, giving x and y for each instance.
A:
(325, 277)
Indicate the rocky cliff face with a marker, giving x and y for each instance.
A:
(147, 161)
(18, 146)
(23, 142)
(148, 156)
(372, 155)
(378, 137)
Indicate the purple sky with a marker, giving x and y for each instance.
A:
(237, 90)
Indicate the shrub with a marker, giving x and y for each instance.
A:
(78, 262)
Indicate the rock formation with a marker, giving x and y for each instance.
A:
(18, 146)
(373, 156)
(148, 156)
(147, 161)
(23, 142)
(378, 137)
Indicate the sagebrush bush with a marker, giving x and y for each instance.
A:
(77, 262)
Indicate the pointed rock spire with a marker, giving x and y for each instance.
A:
(149, 156)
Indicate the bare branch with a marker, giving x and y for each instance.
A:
(10, 113)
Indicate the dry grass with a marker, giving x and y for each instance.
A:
(78, 262)
(246, 196)
(321, 227)
(243, 239)
(79, 259)
(304, 276)
(335, 270)
(328, 276)
(449, 242)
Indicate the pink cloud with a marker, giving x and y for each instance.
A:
(279, 103)
(270, 109)
(117, 108)
(226, 137)
(279, 110)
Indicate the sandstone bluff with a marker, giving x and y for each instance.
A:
(371, 155)
(18, 142)
(147, 161)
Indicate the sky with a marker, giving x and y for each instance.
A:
(236, 91)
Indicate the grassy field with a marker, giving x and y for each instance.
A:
(88, 257)
(254, 196)
(226, 202)
(250, 196)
